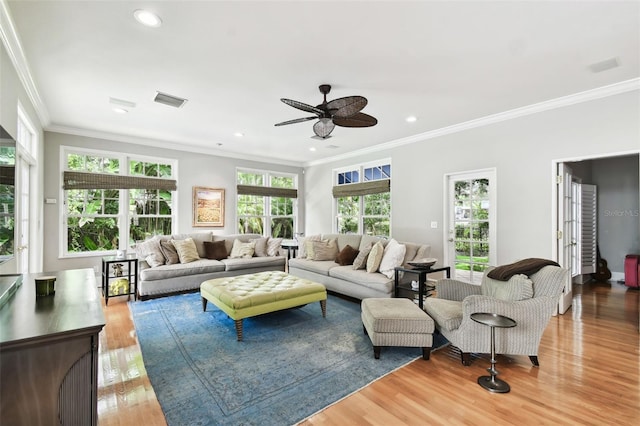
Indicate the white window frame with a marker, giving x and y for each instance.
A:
(267, 217)
(360, 168)
(123, 216)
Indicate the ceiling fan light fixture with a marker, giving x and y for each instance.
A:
(323, 127)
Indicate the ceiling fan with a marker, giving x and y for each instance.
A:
(344, 112)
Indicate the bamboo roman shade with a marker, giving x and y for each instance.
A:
(267, 191)
(362, 188)
(82, 180)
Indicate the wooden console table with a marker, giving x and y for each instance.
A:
(49, 352)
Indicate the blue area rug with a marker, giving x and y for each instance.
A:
(290, 365)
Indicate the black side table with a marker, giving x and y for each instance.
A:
(491, 383)
(292, 248)
(423, 289)
(129, 271)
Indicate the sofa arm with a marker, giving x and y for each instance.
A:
(450, 289)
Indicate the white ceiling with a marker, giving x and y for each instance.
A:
(444, 62)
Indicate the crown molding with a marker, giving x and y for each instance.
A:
(576, 98)
(12, 44)
(165, 144)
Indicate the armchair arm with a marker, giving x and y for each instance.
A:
(450, 289)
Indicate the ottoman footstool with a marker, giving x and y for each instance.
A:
(397, 322)
(249, 295)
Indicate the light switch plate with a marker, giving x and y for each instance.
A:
(434, 225)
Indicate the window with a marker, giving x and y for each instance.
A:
(363, 199)
(112, 200)
(266, 203)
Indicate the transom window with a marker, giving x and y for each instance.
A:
(266, 203)
(363, 199)
(112, 208)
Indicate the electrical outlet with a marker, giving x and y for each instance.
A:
(434, 225)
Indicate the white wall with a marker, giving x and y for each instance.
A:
(12, 92)
(522, 150)
(193, 170)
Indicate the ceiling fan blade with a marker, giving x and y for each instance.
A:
(346, 107)
(358, 120)
(302, 106)
(297, 120)
(323, 127)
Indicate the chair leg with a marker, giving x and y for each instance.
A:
(376, 352)
(204, 304)
(466, 358)
(426, 353)
(534, 360)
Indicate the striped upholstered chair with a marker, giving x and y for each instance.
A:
(530, 301)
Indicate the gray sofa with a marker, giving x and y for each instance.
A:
(164, 279)
(359, 284)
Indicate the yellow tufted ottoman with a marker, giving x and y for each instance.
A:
(246, 296)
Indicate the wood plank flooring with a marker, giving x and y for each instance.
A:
(589, 374)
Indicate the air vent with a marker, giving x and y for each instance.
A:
(170, 100)
(604, 65)
(122, 103)
(333, 146)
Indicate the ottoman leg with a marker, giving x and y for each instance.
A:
(204, 304)
(426, 353)
(323, 306)
(376, 352)
(239, 329)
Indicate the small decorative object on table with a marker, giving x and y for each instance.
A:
(45, 286)
(424, 263)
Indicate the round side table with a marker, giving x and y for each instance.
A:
(491, 383)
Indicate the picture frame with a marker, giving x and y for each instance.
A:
(208, 206)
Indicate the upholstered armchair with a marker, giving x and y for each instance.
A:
(529, 300)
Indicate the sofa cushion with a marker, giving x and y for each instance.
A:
(242, 250)
(375, 256)
(253, 262)
(369, 241)
(215, 250)
(169, 252)
(150, 247)
(201, 266)
(360, 262)
(446, 313)
(186, 249)
(198, 238)
(260, 247)
(302, 242)
(344, 240)
(322, 250)
(375, 280)
(229, 239)
(393, 256)
(519, 287)
(346, 256)
(318, 266)
(273, 246)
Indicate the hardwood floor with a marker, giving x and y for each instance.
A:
(589, 374)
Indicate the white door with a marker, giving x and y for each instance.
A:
(22, 216)
(565, 230)
(471, 217)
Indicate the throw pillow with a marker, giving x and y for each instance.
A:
(261, 247)
(215, 250)
(152, 261)
(393, 256)
(360, 262)
(169, 252)
(322, 250)
(150, 247)
(273, 246)
(346, 256)
(302, 250)
(242, 250)
(519, 287)
(375, 256)
(187, 251)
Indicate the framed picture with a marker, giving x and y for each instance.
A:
(208, 206)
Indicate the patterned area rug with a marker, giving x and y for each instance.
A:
(290, 365)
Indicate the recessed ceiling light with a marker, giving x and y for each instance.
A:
(312, 149)
(120, 110)
(238, 134)
(411, 119)
(146, 18)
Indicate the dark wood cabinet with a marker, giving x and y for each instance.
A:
(49, 352)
